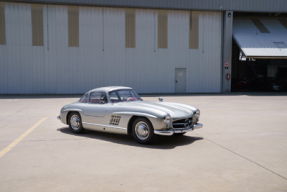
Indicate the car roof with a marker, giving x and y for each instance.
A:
(110, 88)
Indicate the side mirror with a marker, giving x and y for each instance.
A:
(160, 99)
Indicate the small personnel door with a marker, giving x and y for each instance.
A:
(180, 80)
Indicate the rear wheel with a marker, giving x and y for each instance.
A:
(75, 123)
(143, 131)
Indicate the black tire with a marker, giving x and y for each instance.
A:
(179, 134)
(142, 130)
(75, 123)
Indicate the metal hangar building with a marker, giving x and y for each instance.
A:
(162, 46)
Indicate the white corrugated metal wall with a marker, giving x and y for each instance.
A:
(101, 58)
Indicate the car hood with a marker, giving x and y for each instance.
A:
(176, 110)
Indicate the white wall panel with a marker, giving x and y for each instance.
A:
(114, 47)
(102, 59)
(178, 31)
(19, 46)
(142, 68)
(204, 72)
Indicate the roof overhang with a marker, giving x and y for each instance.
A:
(266, 6)
(266, 40)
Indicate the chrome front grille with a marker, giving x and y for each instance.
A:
(115, 120)
(182, 123)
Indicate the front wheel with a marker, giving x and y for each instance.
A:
(143, 131)
(75, 123)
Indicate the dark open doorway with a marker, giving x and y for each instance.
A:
(257, 74)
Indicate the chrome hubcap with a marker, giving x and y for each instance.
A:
(75, 122)
(142, 130)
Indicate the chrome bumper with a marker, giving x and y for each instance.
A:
(172, 131)
(59, 118)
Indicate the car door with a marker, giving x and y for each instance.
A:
(96, 107)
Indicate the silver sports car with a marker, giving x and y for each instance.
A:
(121, 110)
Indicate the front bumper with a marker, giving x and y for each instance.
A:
(184, 130)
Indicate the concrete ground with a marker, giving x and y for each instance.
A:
(242, 147)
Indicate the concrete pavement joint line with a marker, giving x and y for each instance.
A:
(27, 116)
(23, 109)
(14, 143)
(57, 140)
(243, 157)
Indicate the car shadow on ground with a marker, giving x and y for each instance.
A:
(160, 142)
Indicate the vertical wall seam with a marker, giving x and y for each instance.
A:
(73, 26)
(103, 18)
(162, 28)
(37, 24)
(130, 28)
(193, 29)
(47, 8)
(154, 30)
(2, 24)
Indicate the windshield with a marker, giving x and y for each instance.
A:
(124, 96)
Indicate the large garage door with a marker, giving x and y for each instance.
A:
(259, 60)
(263, 38)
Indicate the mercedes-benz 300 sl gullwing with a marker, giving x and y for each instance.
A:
(121, 110)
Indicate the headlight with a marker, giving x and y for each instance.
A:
(167, 120)
(197, 114)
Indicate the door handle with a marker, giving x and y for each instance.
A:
(176, 81)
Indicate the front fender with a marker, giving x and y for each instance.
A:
(135, 114)
(157, 122)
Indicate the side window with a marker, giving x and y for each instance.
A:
(113, 97)
(104, 97)
(98, 97)
(95, 97)
(85, 98)
(125, 94)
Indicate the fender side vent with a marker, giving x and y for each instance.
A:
(115, 120)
